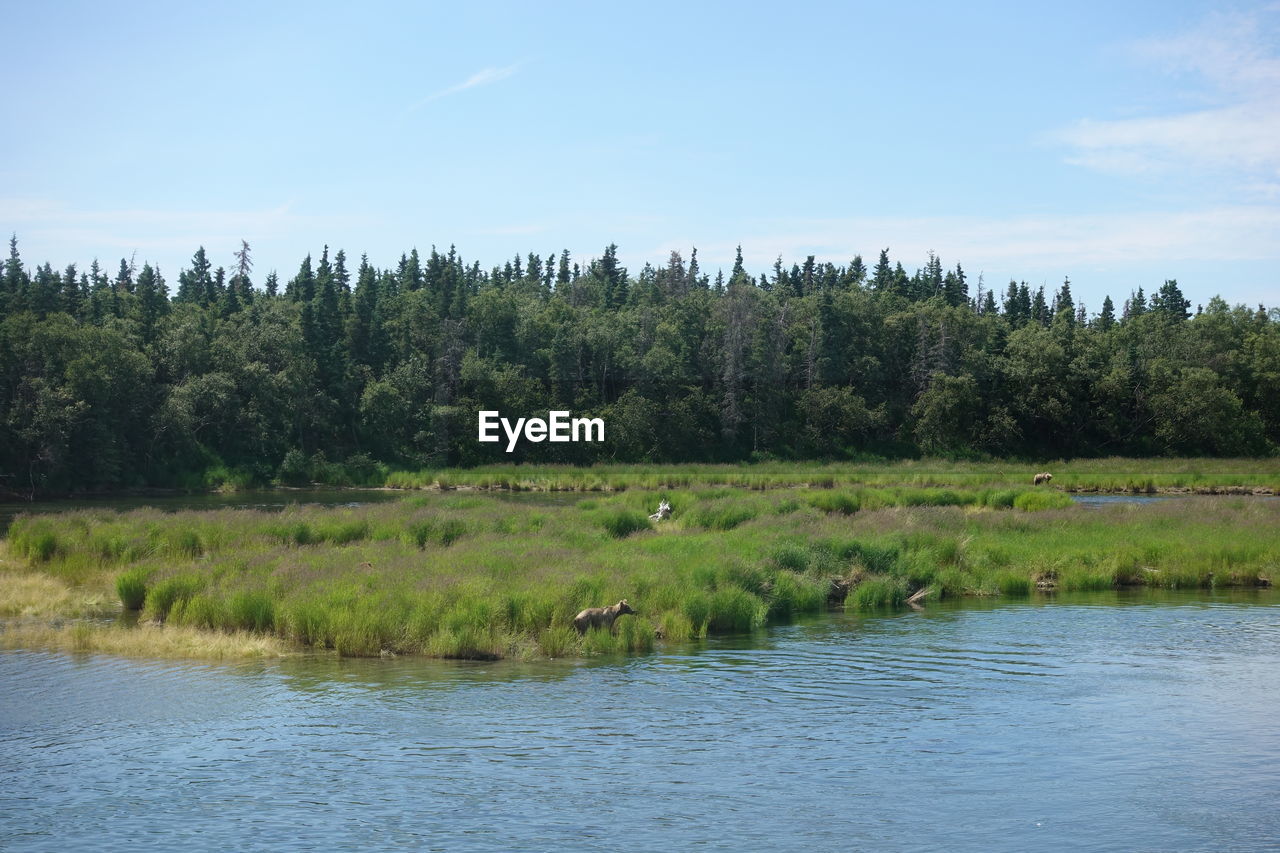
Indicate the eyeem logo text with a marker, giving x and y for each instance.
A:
(557, 427)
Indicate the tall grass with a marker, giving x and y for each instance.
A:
(1113, 474)
(481, 576)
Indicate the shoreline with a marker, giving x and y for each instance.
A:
(475, 576)
(109, 634)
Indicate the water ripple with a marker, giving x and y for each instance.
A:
(1143, 726)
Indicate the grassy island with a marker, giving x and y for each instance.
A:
(480, 575)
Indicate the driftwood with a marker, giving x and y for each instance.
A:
(664, 511)
(920, 594)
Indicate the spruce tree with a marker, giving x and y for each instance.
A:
(562, 273)
(882, 278)
(72, 297)
(1040, 308)
(1169, 302)
(1107, 318)
(1064, 302)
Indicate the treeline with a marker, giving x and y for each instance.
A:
(345, 369)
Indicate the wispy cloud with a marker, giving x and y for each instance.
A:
(483, 77)
(52, 230)
(1234, 63)
(1066, 242)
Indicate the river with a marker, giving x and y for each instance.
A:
(1129, 720)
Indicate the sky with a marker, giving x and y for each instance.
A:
(1117, 144)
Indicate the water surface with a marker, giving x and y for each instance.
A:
(1127, 720)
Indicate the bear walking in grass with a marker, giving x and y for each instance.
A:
(601, 617)
(1041, 478)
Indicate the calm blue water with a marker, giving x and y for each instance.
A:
(1124, 721)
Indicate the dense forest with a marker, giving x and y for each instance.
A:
(113, 380)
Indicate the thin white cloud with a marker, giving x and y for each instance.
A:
(483, 77)
(1233, 65)
(50, 229)
(1243, 137)
(1244, 232)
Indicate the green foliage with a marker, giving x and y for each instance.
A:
(226, 386)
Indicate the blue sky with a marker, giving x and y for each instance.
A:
(1118, 144)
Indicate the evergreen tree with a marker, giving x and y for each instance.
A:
(153, 300)
(562, 273)
(1169, 302)
(72, 298)
(1040, 308)
(15, 281)
(45, 290)
(302, 288)
(739, 274)
(1107, 318)
(241, 282)
(931, 281)
(855, 273)
(1135, 305)
(1064, 302)
(124, 278)
(955, 288)
(218, 288)
(882, 278)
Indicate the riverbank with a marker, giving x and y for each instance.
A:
(1118, 475)
(473, 575)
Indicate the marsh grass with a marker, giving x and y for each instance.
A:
(150, 641)
(1115, 474)
(131, 586)
(621, 522)
(479, 576)
(41, 596)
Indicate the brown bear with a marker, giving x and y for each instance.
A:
(1041, 478)
(596, 617)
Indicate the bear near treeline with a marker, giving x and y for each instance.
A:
(1039, 479)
